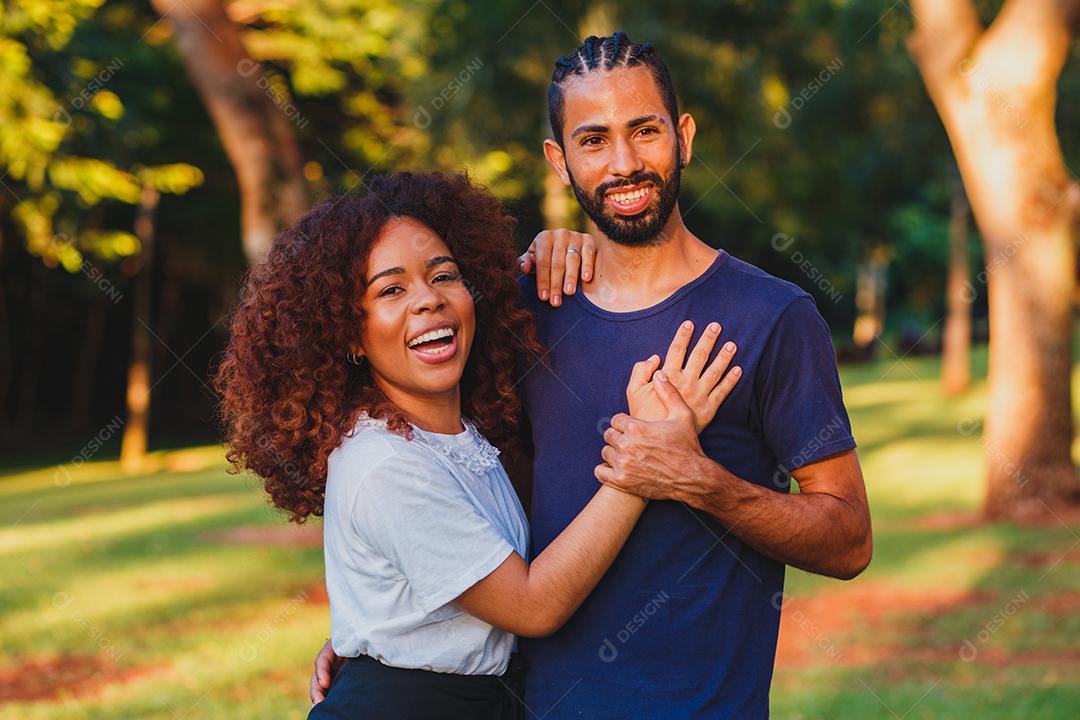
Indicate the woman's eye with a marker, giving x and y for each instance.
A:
(387, 291)
(446, 277)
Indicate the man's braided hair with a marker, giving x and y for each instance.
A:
(607, 53)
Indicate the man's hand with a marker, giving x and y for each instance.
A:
(327, 663)
(652, 459)
(558, 256)
(824, 528)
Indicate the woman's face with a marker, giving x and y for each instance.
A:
(419, 317)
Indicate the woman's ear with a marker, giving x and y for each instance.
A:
(355, 355)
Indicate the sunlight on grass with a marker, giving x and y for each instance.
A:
(139, 575)
(116, 524)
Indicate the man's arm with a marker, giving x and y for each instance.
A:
(824, 528)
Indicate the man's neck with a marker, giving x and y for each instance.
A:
(632, 277)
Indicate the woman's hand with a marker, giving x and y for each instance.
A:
(702, 388)
(557, 256)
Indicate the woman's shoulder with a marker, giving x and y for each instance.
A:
(371, 447)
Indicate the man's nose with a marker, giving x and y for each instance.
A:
(625, 161)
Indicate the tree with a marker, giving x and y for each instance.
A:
(176, 179)
(956, 338)
(257, 136)
(995, 91)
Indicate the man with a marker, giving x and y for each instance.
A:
(685, 622)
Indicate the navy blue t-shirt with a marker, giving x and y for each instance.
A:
(685, 622)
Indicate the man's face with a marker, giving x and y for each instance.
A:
(621, 152)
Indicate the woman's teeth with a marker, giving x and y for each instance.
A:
(429, 337)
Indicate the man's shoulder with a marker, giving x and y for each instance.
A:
(756, 284)
(762, 298)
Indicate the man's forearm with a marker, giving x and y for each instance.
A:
(816, 532)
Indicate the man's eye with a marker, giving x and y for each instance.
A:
(590, 140)
(649, 130)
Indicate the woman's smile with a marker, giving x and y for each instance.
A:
(436, 344)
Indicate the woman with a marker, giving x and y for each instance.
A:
(373, 357)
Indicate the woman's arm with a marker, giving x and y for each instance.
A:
(535, 600)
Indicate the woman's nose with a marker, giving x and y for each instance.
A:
(428, 298)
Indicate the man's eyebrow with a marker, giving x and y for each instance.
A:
(589, 128)
(432, 262)
(642, 120)
(604, 128)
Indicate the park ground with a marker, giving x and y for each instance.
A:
(179, 594)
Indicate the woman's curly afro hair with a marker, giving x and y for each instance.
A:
(288, 393)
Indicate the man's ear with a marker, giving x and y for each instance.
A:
(557, 159)
(687, 129)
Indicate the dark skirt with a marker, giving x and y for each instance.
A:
(365, 689)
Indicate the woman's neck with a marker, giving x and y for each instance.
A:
(437, 413)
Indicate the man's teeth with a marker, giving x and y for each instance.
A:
(627, 198)
(429, 336)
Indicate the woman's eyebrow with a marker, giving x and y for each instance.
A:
(432, 262)
(388, 271)
(439, 260)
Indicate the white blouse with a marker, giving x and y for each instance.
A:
(409, 526)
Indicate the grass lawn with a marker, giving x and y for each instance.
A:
(180, 594)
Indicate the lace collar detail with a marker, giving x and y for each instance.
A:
(469, 449)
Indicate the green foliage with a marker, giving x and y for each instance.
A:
(813, 124)
(41, 136)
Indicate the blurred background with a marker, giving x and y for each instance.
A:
(907, 164)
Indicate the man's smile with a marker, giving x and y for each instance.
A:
(630, 201)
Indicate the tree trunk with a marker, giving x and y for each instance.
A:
(959, 295)
(135, 440)
(870, 286)
(996, 94)
(258, 137)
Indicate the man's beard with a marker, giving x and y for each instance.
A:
(643, 228)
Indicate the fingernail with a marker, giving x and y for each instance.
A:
(714, 327)
(568, 288)
(736, 370)
(586, 275)
(556, 299)
(543, 294)
(729, 346)
(687, 325)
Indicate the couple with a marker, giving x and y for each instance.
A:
(384, 354)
